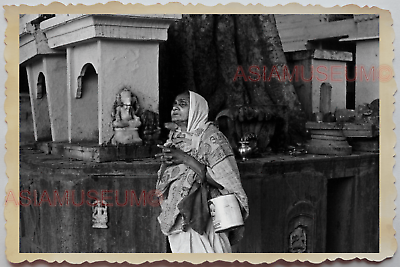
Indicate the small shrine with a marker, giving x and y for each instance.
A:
(94, 81)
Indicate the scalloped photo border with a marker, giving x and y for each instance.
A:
(387, 245)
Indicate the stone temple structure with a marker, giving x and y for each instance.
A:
(76, 64)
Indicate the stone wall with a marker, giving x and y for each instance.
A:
(334, 200)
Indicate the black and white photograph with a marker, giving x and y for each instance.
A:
(131, 126)
(200, 133)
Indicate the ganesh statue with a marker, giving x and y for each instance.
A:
(125, 121)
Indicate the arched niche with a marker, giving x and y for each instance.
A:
(87, 67)
(84, 107)
(41, 86)
(42, 115)
(325, 99)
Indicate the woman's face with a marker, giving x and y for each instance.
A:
(180, 109)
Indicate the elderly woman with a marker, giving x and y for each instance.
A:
(197, 164)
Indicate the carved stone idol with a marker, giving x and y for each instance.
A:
(99, 215)
(125, 121)
(298, 240)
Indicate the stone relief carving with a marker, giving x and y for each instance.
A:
(125, 120)
(99, 214)
(298, 240)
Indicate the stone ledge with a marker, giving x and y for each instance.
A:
(319, 54)
(98, 153)
(271, 164)
(64, 30)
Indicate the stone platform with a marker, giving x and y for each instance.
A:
(98, 153)
(335, 199)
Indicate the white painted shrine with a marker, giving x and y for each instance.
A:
(77, 63)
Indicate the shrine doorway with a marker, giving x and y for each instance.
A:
(84, 107)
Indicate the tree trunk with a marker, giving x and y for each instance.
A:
(205, 63)
(205, 53)
(250, 54)
(280, 89)
(233, 92)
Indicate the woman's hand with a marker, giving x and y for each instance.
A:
(172, 156)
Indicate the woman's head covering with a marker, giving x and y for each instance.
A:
(198, 112)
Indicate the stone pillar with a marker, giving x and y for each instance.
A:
(39, 101)
(366, 38)
(367, 85)
(83, 99)
(47, 89)
(329, 72)
(313, 69)
(56, 75)
(46, 71)
(113, 46)
(132, 64)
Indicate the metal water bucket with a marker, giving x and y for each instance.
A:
(225, 213)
